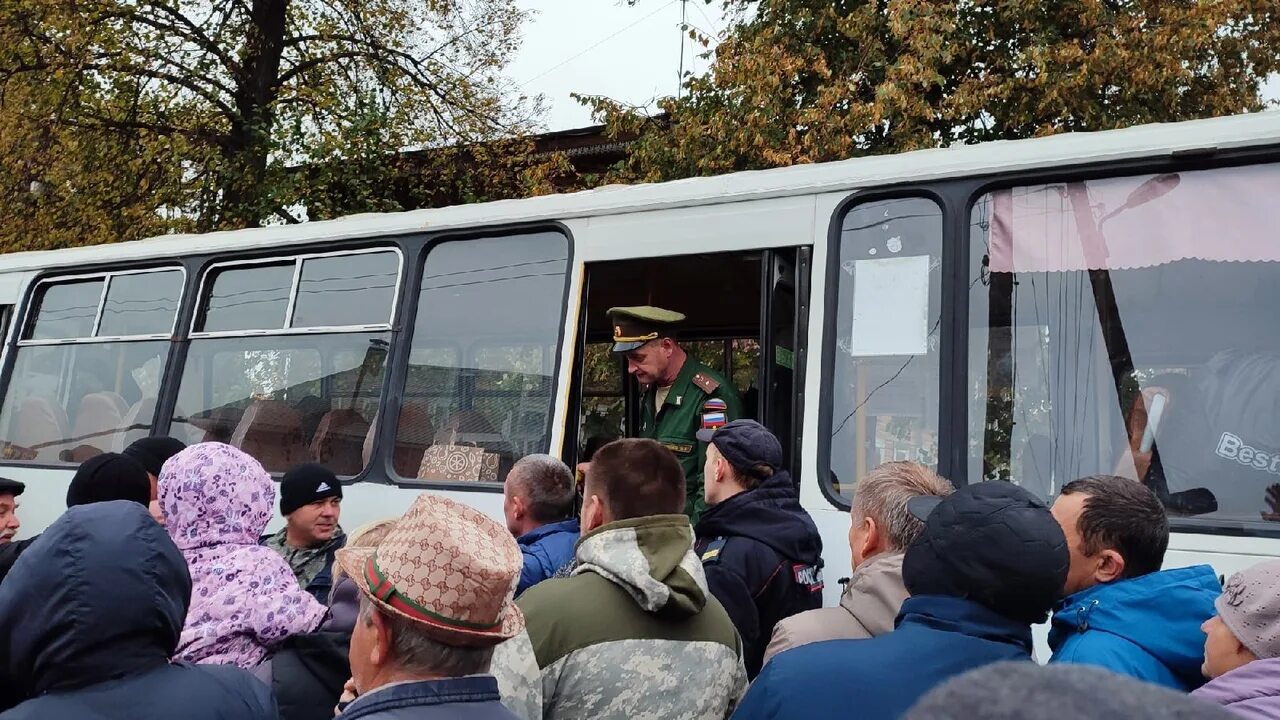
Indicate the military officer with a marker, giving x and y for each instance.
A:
(680, 395)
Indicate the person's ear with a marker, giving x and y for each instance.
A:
(517, 507)
(380, 648)
(592, 513)
(1110, 566)
(872, 543)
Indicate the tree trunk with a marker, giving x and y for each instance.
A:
(245, 153)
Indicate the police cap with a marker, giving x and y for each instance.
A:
(635, 326)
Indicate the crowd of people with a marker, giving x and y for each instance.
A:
(158, 594)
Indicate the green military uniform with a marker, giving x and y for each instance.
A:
(699, 398)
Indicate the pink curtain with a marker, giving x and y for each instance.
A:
(1225, 215)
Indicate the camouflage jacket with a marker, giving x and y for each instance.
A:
(634, 632)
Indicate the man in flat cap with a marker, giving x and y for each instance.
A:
(9, 524)
(680, 395)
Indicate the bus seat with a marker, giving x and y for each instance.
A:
(220, 424)
(142, 413)
(271, 432)
(313, 409)
(467, 427)
(41, 421)
(98, 421)
(339, 441)
(414, 435)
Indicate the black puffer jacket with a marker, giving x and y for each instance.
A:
(89, 617)
(308, 671)
(9, 554)
(763, 559)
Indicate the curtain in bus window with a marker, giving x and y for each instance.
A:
(1137, 222)
(1130, 331)
(481, 379)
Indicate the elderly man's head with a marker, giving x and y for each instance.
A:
(881, 521)
(407, 628)
(539, 490)
(9, 523)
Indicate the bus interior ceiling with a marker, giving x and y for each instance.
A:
(719, 294)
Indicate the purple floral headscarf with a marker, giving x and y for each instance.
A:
(245, 599)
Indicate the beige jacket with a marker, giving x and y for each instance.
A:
(867, 608)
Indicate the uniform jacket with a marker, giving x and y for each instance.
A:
(881, 678)
(312, 566)
(763, 558)
(90, 616)
(868, 607)
(1147, 627)
(1251, 691)
(546, 550)
(683, 413)
(634, 632)
(474, 698)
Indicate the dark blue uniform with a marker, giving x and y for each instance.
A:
(763, 559)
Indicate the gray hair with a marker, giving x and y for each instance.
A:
(882, 495)
(548, 485)
(414, 651)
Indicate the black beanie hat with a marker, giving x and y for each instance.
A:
(109, 476)
(306, 484)
(154, 452)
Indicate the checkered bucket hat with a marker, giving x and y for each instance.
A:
(447, 567)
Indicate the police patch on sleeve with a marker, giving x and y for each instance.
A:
(714, 414)
(808, 576)
(711, 554)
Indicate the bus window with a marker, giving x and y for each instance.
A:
(88, 366)
(885, 381)
(1124, 326)
(288, 357)
(481, 380)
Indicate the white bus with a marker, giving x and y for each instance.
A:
(1032, 311)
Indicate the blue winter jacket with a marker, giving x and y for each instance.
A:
(91, 614)
(546, 550)
(880, 678)
(1147, 627)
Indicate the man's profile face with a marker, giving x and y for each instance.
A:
(1066, 510)
(650, 362)
(9, 523)
(317, 522)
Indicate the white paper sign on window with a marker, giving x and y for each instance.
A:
(890, 307)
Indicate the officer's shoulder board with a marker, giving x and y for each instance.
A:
(706, 383)
(711, 553)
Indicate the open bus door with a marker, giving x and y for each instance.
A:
(783, 316)
(752, 329)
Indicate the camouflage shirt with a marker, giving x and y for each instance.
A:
(634, 632)
(309, 563)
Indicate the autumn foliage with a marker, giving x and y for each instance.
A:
(124, 118)
(801, 81)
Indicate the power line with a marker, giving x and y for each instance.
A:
(571, 58)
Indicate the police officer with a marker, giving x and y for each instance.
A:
(681, 395)
(761, 551)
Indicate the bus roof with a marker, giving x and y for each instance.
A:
(1063, 150)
